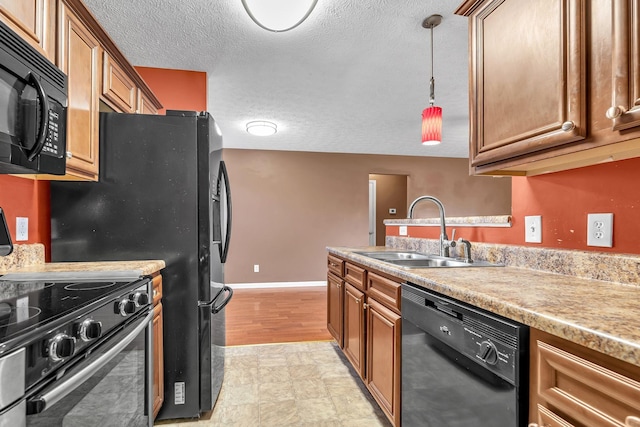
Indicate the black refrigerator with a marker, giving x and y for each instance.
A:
(163, 194)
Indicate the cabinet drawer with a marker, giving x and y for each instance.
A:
(384, 290)
(355, 275)
(335, 265)
(582, 392)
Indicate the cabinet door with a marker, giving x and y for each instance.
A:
(34, 21)
(625, 109)
(354, 318)
(383, 358)
(79, 58)
(335, 307)
(528, 88)
(118, 89)
(145, 106)
(158, 360)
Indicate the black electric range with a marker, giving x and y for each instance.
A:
(58, 322)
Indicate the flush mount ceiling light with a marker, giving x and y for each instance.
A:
(261, 128)
(279, 15)
(432, 115)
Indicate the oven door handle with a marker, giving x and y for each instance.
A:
(44, 401)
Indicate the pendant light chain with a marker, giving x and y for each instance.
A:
(432, 82)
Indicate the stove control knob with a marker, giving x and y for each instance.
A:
(125, 307)
(488, 353)
(90, 330)
(139, 298)
(61, 346)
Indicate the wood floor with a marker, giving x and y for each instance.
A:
(263, 316)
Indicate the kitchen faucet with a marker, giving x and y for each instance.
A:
(445, 243)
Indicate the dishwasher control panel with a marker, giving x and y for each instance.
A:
(487, 346)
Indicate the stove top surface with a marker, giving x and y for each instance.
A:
(28, 304)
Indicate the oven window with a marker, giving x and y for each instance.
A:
(113, 396)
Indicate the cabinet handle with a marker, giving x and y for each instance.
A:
(69, 154)
(632, 421)
(568, 126)
(338, 285)
(615, 112)
(365, 306)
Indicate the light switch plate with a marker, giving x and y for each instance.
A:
(533, 229)
(403, 230)
(392, 211)
(600, 230)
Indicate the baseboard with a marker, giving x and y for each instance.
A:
(276, 285)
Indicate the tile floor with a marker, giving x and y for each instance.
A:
(293, 384)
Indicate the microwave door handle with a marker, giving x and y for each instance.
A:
(44, 115)
(225, 177)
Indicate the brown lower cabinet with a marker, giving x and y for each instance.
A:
(366, 305)
(572, 386)
(158, 346)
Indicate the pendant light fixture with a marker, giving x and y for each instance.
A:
(278, 15)
(432, 115)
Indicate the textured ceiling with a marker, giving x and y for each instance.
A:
(353, 78)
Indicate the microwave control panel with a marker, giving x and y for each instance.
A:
(55, 132)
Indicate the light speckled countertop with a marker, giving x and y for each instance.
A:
(597, 314)
(140, 268)
(29, 259)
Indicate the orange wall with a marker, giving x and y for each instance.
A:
(22, 197)
(564, 199)
(177, 89)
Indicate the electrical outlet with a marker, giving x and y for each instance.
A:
(392, 211)
(600, 230)
(533, 229)
(256, 268)
(22, 229)
(403, 230)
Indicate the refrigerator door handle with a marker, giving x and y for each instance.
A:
(217, 308)
(224, 250)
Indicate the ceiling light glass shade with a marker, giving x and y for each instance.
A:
(261, 128)
(432, 125)
(279, 15)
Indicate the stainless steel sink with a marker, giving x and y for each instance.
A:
(411, 259)
(395, 255)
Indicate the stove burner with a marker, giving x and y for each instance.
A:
(11, 315)
(88, 286)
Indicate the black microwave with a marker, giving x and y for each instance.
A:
(33, 109)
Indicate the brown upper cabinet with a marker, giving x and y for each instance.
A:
(546, 79)
(67, 33)
(79, 56)
(34, 21)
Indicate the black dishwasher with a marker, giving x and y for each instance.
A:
(461, 366)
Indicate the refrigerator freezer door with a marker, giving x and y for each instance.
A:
(212, 358)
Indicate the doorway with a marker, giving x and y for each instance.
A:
(387, 200)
